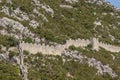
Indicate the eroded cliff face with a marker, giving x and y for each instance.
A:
(63, 28)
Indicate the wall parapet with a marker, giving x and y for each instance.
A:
(59, 48)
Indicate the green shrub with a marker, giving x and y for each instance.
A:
(12, 41)
(89, 46)
(28, 40)
(8, 41)
(72, 47)
(9, 71)
(12, 54)
(26, 52)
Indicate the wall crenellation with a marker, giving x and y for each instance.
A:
(59, 48)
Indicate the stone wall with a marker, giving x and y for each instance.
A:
(109, 47)
(54, 50)
(46, 49)
(58, 48)
(96, 44)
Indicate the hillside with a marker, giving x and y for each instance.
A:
(59, 40)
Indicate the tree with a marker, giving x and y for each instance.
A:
(12, 41)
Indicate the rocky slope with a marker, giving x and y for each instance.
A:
(60, 39)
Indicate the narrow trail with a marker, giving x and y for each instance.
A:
(22, 67)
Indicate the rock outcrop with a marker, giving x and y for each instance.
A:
(92, 62)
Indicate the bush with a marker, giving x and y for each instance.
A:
(26, 52)
(28, 40)
(9, 71)
(12, 54)
(89, 46)
(72, 47)
(12, 41)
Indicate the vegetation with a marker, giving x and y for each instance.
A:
(74, 23)
(28, 40)
(104, 56)
(9, 71)
(47, 67)
(26, 52)
(12, 54)
(72, 47)
(8, 41)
